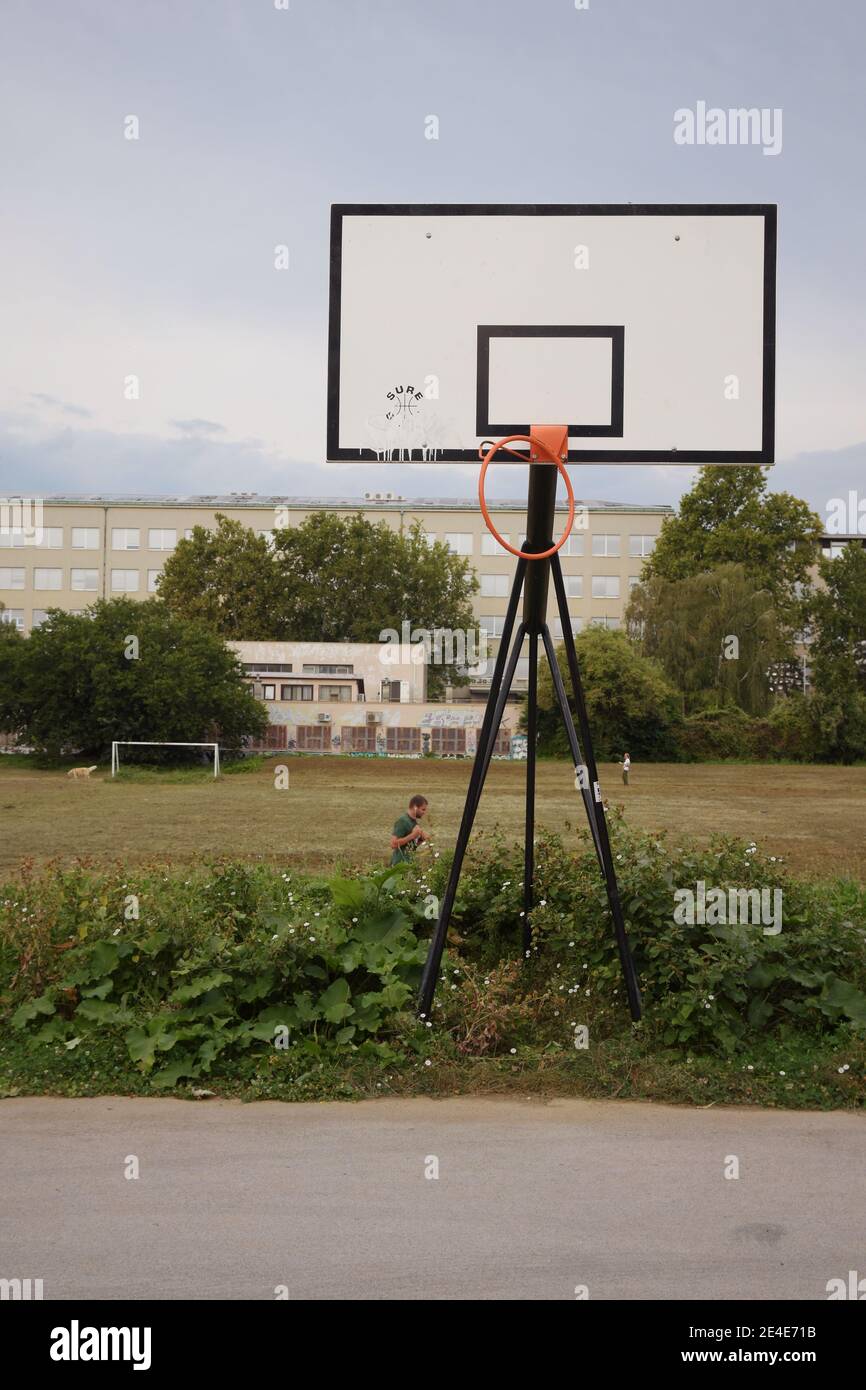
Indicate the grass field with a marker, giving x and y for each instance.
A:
(342, 810)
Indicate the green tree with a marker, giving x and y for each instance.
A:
(128, 670)
(631, 706)
(11, 652)
(837, 612)
(225, 579)
(714, 634)
(729, 517)
(333, 578)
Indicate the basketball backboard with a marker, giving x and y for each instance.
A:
(648, 329)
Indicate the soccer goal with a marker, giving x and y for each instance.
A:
(160, 743)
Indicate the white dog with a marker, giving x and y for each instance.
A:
(81, 771)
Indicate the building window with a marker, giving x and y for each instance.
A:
(323, 670)
(605, 622)
(80, 580)
(39, 617)
(275, 736)
(52, 538)
(491, 546)
(448, 742)
(359, 738)
(15, 616)
(276, 667)
(296, 692)
(633, 579)
(494, 585)
(574, 585)
(125, 538)
(161, 538)
(492, 624)
(187, 535)
(604, 544)
(641, 545)
(85, 538)
(502, 746)
(47, 579)
(11, 578)
(576, 625)
(835, 551)
(389, 692)
(13, 540)
(459, 542)
(573, 546)
(335, 692)
(403, 740)
(124, 581)
(269, 692)
(314, 738)
(605, 586)
(152, 578)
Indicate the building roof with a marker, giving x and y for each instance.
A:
(371, 502)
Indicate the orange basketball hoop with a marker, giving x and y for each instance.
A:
(554, 449)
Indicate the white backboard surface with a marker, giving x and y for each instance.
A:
(648, 329)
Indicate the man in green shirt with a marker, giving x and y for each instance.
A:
(407, 834)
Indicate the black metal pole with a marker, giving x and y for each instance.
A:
(483, 754)
(625, 956)
(581, 769)
(540, 511)
(529, 826)
(484, 747)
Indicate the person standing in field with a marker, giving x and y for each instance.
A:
(626, 765)
(407, 834)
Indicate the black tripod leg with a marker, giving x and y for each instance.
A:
(625, 956)
(483, 754)
(580, 767)
(496, 678)
(529, 830)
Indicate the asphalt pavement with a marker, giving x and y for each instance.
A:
(559, 1200)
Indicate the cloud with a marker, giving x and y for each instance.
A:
(198, 427)
(54, 404)
(36, 460)
(822, 475)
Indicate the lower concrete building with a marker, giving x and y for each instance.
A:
(349, 697)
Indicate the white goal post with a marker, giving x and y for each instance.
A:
(160, 743)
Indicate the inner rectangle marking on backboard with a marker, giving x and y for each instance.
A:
(543, 370)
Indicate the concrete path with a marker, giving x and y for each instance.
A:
(532, 1200)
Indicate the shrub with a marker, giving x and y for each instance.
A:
(215, 964)
(709, 987)
(791, 728)
(722, 733)
(187, 969)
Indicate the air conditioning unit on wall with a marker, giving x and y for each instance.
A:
(324, 718)
(374, 716)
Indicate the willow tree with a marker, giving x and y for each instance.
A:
(716, 635)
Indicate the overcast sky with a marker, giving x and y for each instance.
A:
(156, 256)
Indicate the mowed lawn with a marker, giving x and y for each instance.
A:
(341, 810)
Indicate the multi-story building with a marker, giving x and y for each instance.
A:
(101, 547)
(361, 698)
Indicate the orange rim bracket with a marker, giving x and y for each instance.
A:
(547, 444)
